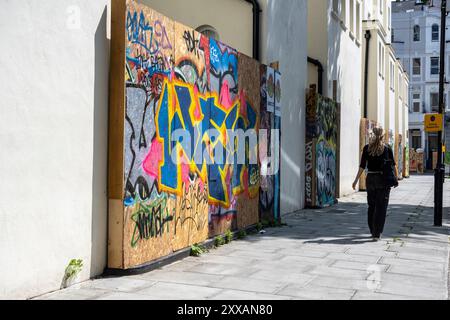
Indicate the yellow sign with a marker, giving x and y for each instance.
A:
(433, 122)
(444, 149)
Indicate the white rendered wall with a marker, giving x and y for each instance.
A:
(345, 66)
(53, 138)
(284, 39)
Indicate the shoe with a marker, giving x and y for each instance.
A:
(376, 239)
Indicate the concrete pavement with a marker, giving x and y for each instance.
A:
(320, 254)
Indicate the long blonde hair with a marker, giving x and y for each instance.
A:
(376, 143)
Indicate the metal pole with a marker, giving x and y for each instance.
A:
(439, 171)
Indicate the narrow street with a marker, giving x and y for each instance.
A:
(320, 254)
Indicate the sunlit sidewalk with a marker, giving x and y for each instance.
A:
(320, 254)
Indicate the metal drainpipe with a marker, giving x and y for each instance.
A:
(256, 27)
(367, 36)
(319, 73)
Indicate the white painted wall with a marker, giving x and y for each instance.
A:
(390, 112)
(345, 66)
(381, 89)
(284, 39)
(53, 138)
(340, 51)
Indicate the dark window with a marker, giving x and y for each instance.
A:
(416, 139)
(432, 142)
(416, 66)
(416, 102)
(416, 33)
(434, 102)
(435, 32)
(434, 65)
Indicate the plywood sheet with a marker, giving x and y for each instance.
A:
(249, 91)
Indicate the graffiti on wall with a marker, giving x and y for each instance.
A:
(321, 144)
(406, 160)
(269, 200)
(416, 161)
(191, 139)
(399, 151)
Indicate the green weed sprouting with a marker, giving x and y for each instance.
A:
(197, 251)
(242, 234)
(219, 241)
(75, 266)
(228, 236)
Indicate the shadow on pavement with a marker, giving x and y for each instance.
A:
(346, 224)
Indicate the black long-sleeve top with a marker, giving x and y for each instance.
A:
(375, 164)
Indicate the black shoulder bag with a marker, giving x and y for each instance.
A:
(390, 179)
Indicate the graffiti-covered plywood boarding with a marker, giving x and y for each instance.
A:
(270, 110)
(321, 150)
(181, 108)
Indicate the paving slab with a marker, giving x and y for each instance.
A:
(182, 277)
(317, 292)
(177, 291)
(245, 295)
(249, 284)
(369, 295)
(124, 284)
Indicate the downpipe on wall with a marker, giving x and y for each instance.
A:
(256, 27)
(367, 36)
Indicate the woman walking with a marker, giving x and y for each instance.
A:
(374, 157)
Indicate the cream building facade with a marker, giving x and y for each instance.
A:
(385, 88)
(336, 41)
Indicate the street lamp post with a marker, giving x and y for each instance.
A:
(439, 171)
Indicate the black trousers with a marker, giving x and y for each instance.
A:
(378, 200)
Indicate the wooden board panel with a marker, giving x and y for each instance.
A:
(223, 83)
(164, 77)
(115, 234)
(249, 91)
(116, 100)
(149, 231)
(310, 155)
(321, 136)
(116, 135)
(149, 214)
(192, 57)
(191, 207)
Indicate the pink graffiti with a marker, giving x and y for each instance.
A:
(225, 99)
(153, 158)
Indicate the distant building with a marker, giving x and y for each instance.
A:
(385, 84)
(416, 39)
